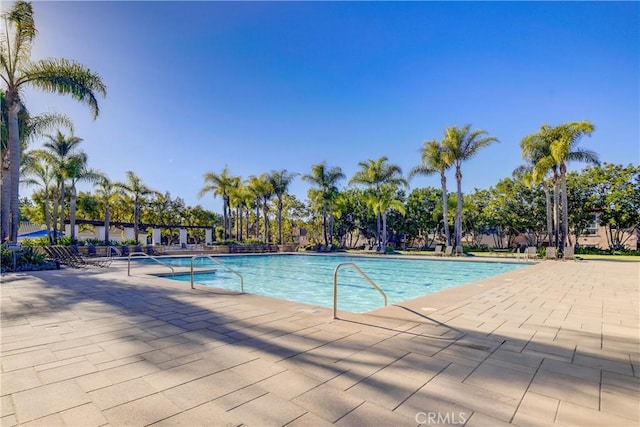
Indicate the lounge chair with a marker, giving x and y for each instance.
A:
(531, 252)
(448, 251)
(438, 251)
(569, 253)
(459, 250)
(551, 253)
(67, 256)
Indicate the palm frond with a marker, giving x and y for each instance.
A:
(66, 77)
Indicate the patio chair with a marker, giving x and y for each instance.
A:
(569, 253)
(438, 251)
(448, 251)
(531, 252)
(551, 253)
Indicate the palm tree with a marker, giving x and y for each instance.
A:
(280, 181)
(435, 160)
(534, 148)
(61, 151)
(266, 193)
(41, 174)
(326, 181)
(106, 191)
(220, 185)
(461, 145)
(17, 71)
(381, 203)
(562, 147)
(29, 128)
(256, 187)
(376, 174)
(135, 189)
(78, 172)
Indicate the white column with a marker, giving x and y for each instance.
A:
(183, 236)
(67, 230)
(156, 237)
(129, 233)
(207, 236)
(100, 232)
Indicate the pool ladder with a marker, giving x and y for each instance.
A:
(362, 273)
(193, 258)
(148, 256)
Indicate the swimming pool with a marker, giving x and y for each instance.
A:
(309, 278)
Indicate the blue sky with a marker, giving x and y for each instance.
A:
(193, 86)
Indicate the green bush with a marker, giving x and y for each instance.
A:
(28, 259)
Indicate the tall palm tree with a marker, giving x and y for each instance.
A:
(135, 189)
(220, 185)
(435, 160)
(563, 147)
(106, 192)
(266, 193)
(376, 174)
(326, 182)
(78, 171)
(60, 151)
(29, 127)
(257, 186)
(41, 174)
(280, 181)
(17, 71)
(461, 145)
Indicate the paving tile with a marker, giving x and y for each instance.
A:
(621, 381)
(536, 409)
(621, 402)
(203, 415)
(427, 410)
(125, 347)
(205, 389)
(53, 420)
(15, 381)
(114, 395)
(483, 400)
(66, 372)
(581, 391)
(606, 364)
(479, 419)
(240, 397)
(85, 415)
(500, 379)
(258, 369)
(327, 402)
(289, 384)
(307, 420)
(369, 414)
(141, 412)
(46, 400)
(570, 414)
(27, 359)
(267, 410)
(129, 371)
(8, 421)
(6, 405)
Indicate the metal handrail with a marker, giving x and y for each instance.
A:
(193, 258)
(117, 251)
(148, 256)
(362, 273)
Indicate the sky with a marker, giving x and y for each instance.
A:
(195, 86)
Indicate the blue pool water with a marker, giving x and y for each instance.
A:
(309, 278)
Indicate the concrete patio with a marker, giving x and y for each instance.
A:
(556, 343)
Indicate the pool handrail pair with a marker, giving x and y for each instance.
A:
(363, 274)
(193, 258)
(148, 256)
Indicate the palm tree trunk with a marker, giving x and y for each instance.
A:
(47, 215)
(331, 216)
(547, 197)
(257, 219)
(62, 190)
(280, 221)
(565, 209)
(6, 197)
(458, 224)
(106, 224)
(324, 223)
(384, 232)
(72, 212)
(445, 208)
(224, 218)
(56, 203)
(136, 219)
(556, 210)
(13, 106)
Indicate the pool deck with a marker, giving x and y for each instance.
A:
(556, 343)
